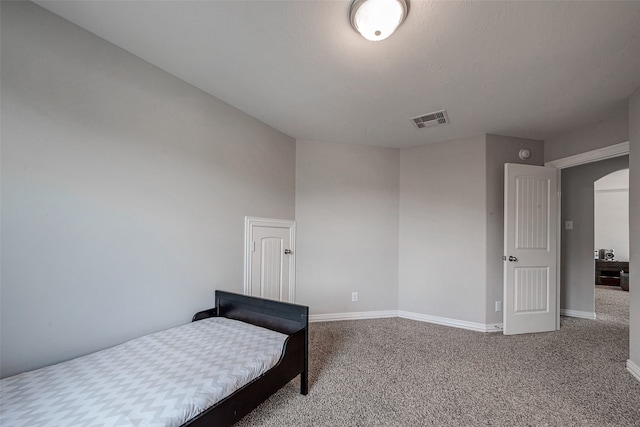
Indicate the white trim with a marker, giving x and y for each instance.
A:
(249, 224)
(359, 315)
(462, 324)
(494, 327)
(613, 190)
(634, 369)
(608, 152)
(559, 250)
(604, 153)
(577, 313)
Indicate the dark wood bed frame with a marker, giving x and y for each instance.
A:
(290, 319)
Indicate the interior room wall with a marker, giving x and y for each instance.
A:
(347, 227)
(603, 133)
(443, 242)
(124, 192)
(634, 231)
(501, 150)
(577, 262)
(611, 213)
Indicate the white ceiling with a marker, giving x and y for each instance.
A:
(527, 69)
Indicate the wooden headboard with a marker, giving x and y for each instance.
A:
(290, 319)
(279, 316)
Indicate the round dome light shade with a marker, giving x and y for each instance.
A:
(377, 19)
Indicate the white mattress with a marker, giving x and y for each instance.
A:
(162, 379)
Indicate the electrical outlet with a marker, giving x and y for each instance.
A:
(498, 306)
(354, 296)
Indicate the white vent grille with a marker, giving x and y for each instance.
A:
(431, 119)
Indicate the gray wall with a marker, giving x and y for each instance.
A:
(634, 227)
(598, 135)
(347, 227)
(124, 192)
(443, 241)
(501, 150)
(124, 189)
(577, 290)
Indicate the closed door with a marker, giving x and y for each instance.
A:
(530, 251)
(270, 259)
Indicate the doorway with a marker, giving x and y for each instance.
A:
(576, 262)
(611, 243)
(611, 216)
(269, 259)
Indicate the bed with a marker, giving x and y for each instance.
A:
(210, 372)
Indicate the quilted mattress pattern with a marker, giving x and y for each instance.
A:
(161, 379)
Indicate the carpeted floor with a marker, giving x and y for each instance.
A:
(399, 372)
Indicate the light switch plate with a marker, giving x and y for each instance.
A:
(568, 225)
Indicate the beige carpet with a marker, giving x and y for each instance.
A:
(398, 372)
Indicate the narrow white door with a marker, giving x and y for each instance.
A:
(270, 259)
(530, 252)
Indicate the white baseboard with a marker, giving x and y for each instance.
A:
(577, 313)
(494, 327)
(634, 369)
(359, 315)
(352, 316)
(463, 324)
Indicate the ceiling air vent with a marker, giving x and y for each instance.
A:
(431, 119)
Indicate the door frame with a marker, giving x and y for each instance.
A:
(249, 224)
(604, 153)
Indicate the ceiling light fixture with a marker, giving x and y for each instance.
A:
(377, 19)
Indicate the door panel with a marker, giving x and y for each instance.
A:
(530, 280)
(531, 293)
(270, 258)
(532, 227)
(270, 264)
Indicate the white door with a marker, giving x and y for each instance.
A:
(270, 258)
(530, 251)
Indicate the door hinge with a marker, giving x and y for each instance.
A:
(253, 246)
